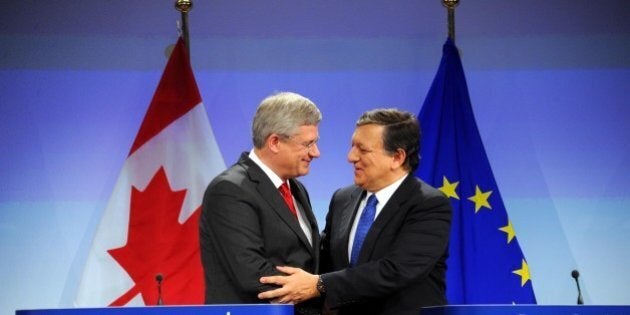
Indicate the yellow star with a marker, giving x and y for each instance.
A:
(509, 229)
(448, 188)
(523, 272)
(480, 199)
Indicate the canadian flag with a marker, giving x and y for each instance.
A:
(150, 225)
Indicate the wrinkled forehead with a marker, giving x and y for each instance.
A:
(371, 134)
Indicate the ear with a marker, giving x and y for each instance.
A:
(273, 143)
(398, 159)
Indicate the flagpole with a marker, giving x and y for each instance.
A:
(184, 6)
(450, 8)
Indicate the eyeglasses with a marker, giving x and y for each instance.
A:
(309, 145)
(305, 145)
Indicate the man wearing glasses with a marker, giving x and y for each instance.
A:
(256, 215)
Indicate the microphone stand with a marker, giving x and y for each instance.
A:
(575, 274)
(159, 279)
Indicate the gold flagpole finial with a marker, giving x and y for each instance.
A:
(450, 7)
(184, 6)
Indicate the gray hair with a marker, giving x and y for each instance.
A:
(283, 113)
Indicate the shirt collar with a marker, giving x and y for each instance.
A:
(275, 179)
(388, 191)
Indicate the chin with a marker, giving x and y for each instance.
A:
(358, 182)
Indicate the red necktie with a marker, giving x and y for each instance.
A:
(288, 198)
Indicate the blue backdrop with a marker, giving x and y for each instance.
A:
(547, 81)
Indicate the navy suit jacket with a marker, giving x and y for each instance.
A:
(402, 263)
(246, 230)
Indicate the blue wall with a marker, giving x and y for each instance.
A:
(548, 82)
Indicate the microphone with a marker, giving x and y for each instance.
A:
(575, 274)
(159, 279)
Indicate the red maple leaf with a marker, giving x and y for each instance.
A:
(158, 244)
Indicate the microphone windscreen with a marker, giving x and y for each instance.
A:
(575, 274)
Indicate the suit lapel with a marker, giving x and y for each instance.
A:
(273, 198)
(390, 210)
(347, 219)
(301, 196)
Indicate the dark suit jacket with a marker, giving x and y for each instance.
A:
(402, 263)
(246, 230)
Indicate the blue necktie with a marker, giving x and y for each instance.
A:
(365, 222)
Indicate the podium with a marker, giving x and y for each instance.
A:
(527, 310)
(281, 309)
(227, 309)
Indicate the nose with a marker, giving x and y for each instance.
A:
(352, 155)
(314, 151)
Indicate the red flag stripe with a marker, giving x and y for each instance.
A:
(175, 95)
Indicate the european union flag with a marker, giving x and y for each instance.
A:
(486, 264)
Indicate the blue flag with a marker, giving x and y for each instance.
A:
(485, 264)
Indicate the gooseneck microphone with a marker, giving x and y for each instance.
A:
(159, 279)
(575, 274)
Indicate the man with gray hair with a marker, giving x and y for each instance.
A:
(256, 215)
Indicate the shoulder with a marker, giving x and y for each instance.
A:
(228, 180)
(297, 183)
(346, 193)
(236, 176)
(418, 191)
(428, 190)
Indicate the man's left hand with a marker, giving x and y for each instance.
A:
(296, 286)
